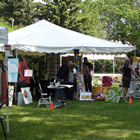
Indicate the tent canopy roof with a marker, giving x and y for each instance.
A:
(3, 35)
(44, 36)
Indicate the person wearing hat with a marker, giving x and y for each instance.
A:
(61, 77)
(126, 75)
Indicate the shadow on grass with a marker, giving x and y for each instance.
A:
(80, 120)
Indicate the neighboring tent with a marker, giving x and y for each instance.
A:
(3, 35)
(44, 36)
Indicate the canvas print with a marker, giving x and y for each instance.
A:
(85, 96)
(113, 94)
(13, 70)
(99, 92)
(22, 80)
(27, 96)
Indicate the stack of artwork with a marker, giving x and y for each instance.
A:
(109, 94)
(19, 72)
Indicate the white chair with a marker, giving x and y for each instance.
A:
(44, 99)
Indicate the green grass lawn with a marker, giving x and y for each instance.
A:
(80, 120)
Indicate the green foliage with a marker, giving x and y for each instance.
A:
(103, 66)
(32, 60)
(121, 20)
(65, 13)
(18, 10)
(4, 23)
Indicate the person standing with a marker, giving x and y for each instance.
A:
(89, 80)
(61, 77)
(85, 74)
(126, 75)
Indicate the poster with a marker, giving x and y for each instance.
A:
(13, 69)
(22, 80)
(27, 96)
(99, 92)
(28, 73)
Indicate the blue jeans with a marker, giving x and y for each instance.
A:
(59, 92)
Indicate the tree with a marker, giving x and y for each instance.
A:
(65, 13)
(18, 10)
(121, 20)
(93, 25)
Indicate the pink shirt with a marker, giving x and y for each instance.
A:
(85, 70)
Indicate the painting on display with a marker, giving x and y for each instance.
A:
(13, 70)
(80, 82)
(22, 80)
(86, 96)
(99, 92)
(27, 96)
(11, 92)
(113, 95)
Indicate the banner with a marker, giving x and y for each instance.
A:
(13, 69)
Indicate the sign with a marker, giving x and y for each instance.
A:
(8, 51)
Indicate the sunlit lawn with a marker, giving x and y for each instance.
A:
(80, 120)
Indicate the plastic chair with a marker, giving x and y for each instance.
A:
(44, 99)
(1, 120)
(107, 81)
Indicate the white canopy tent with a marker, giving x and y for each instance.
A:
(44, 36)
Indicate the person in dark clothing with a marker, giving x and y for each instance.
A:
(89, 80)
(61, 77)
(126, 75)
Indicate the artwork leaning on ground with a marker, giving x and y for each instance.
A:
(113, 94)
(99, 92)
(27, 96)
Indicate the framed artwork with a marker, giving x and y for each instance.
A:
(85, 96)
(27, 96)
(99, 92)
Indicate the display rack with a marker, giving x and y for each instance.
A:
(136, 86)
(52, 64)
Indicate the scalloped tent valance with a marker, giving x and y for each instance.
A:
(47, 37)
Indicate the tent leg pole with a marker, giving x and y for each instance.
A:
(16, 82)
(7, 119)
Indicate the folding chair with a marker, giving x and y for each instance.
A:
(107, 81)
(1, 120)
(44, 99)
